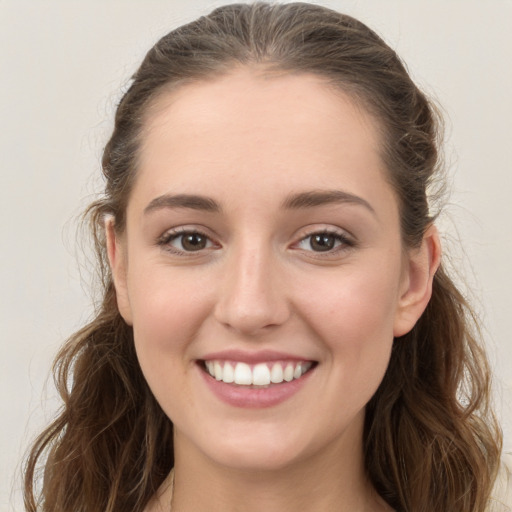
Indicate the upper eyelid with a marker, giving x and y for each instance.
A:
(332, 230)
(181, 230)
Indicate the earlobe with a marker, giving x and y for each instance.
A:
(421, 267)
(118, 266)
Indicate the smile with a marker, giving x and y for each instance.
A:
(261, 374)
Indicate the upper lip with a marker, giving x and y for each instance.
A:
(252, 357)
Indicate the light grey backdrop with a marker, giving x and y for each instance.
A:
(62, 65)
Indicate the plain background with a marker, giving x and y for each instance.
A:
(62, 67)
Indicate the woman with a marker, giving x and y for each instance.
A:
(277, 329)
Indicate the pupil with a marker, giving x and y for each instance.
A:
(193, 242)
(324, 242)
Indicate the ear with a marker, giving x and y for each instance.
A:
(416, 289)
(118, 266)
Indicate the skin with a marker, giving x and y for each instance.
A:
(249, 141)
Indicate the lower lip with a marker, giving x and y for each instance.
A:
(253, 397)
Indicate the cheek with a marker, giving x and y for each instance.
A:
(168, 310)
(350, 315)
(166, 301)
(361, 302)
(354, 320)
(167, 315)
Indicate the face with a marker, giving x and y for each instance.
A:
(262, 267)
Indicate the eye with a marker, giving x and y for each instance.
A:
(186, 241)
(325, 241)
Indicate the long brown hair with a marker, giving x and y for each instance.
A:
(431, 441)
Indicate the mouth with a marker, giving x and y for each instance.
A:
(260, 375)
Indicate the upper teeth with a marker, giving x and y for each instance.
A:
(261, 374)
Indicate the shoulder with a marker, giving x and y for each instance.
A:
(501, 499)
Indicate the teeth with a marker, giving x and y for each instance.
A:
(243, 374)
(217, 370)
(288, 372)
(276, 375)
(229, 373)
(261, 374)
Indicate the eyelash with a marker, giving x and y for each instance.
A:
(342, 240)
(179, 233)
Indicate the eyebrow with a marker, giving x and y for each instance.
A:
(324, 197)
(298, 201)
(193, 202)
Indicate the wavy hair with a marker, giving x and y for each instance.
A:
(430, 438)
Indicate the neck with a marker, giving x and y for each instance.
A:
(333, 480)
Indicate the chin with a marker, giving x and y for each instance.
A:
(263, 449)
(258, 459)
(243, 447)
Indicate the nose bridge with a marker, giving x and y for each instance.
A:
(251, 296)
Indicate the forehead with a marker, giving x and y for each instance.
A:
(291, 130)
(259, 97)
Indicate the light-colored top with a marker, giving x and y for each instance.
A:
(501, 500)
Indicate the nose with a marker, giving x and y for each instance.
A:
(252, 297)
